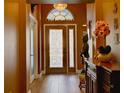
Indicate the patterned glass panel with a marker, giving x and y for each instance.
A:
(71, 48)
(69, 17)
(60, 17)
(50, 17)
(56, 48)
(56, 15)
(64, 12)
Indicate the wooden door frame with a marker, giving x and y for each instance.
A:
(66, 25)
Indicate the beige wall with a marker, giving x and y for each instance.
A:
(14, 47)
(11, 50)
(99, 9)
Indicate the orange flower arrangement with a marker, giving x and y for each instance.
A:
(102, 29)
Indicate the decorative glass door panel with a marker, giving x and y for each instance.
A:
(71, 48)
(56, 48)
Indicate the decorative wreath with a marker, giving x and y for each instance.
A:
(102, 29)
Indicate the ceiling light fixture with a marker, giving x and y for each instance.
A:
(60, 6)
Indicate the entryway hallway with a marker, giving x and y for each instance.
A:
(57, 83)
(41, 39)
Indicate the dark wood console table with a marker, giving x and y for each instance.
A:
(102, 78)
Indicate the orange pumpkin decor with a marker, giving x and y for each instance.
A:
(104, 54)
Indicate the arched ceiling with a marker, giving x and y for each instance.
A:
(59, 1)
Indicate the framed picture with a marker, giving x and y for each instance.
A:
(117, 37)
(116, 23)
(116, 31)
(115, 9)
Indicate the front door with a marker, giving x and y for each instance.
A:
(56, 49)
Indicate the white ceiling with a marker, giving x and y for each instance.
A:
(59, 1)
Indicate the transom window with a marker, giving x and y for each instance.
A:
(57, 15)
